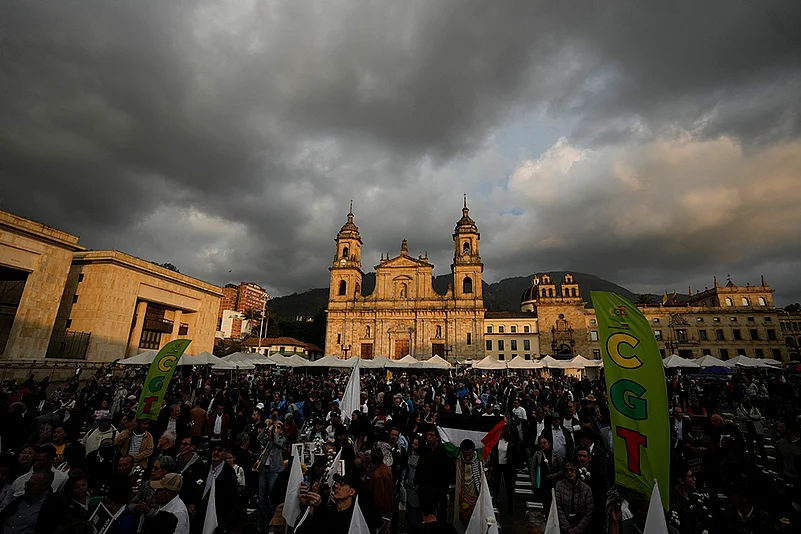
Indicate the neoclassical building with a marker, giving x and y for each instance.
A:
(404, 315)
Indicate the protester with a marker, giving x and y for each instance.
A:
(573, 501)
(172, 515)
(38, 510)
(136, 442)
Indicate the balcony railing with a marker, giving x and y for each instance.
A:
(158, 325)
(68, 345)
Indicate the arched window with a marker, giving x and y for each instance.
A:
(575, 294)
(343, 288)
(789, 341)
(345, 252)
(466, 247)
(762, 301)
(544, 292)
(745, 302)
(404, 290)
(729, 302)
(550, 292)
(467, 285)
(367, 332)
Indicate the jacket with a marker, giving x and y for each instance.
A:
(225, 493)
(574, 503)
(225, 427)
(123, 443)
(50, 514)
(548, 432)
(381, 487)
(549, 471)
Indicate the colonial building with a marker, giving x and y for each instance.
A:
(404, 315)
(511, 334)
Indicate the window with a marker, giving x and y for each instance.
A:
(489, 329)
(724, 354)
(656, 320)
(768, 320)
(467, 285)
(733, 319)
(706, 352)
(469, 338)
(550, 292)
(150, 340)
(750, 319)
(741, 351)
(716, 319)
(514, 356)
(500, 344)
(719, 335)
(759, 353)
(367, 332)
(339, 339)
(777, 354)
(754, 333)
(80, 277)
(513, 344)
(489, 344)
(729, 302)
(526, 344)
(593, 335)
(74, 299)
(783, 325)
(343, 288)
(500, 357)
(658, 335)
(771, 334)
(500, 329)
(513, 329)
(281, 349)
(526, 329)
(699, 319)
(466, 247)
(69, 323)
(702, 335)
(527, 356)
(593, 321)
(744, 301)
(681, 334)
(345, 252)
(596, 354)
(762, 301)
(736, 333)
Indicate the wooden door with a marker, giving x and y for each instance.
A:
(401, 348)
(367, 351)
(438, 349)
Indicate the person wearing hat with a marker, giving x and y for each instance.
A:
(172, 515)
(104, 430)
(335, 517)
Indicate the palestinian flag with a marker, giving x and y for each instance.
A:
(483, 431)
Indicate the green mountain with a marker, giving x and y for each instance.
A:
(499, 296)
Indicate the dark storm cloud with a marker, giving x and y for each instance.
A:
(230, 135)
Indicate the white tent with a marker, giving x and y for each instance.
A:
(518, 362)
(332, 361)
(204, 358)
(489, 363)
(377, 363)
(745, 361)
(674, 361)
(435, 362)
(298, 361)
(711, 361)
(407, 362)
(552, 363)
(253, 358)
(578, 362)
(143, 358)
(233, 366)
(594, 363)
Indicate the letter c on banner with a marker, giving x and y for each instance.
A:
(627, 398)
(167, 363)
(613, 344)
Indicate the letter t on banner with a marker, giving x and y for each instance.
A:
(638, 402)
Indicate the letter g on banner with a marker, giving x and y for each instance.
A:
(613, 344)
(627, 398)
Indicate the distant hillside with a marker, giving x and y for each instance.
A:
(500, 296)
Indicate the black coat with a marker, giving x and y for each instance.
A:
(225, 488)
(435, 469)
(50, 515)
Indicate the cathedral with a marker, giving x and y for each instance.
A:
(404, 315)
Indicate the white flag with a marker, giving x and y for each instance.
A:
(357, 523)
(482, 521)
(292, 498)
(351, 400)
(210, 521)
(552, 526)
(329, 480)
(458, 407)
(655, 522)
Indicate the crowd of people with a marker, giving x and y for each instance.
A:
(75, 458)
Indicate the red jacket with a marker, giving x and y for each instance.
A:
(226, 425)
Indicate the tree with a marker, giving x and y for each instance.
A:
(224, 347)
(793, 308)
(169, 266)
(644, 298)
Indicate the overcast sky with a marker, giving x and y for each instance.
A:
(655, 144)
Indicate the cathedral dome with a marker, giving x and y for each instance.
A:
(532, 292)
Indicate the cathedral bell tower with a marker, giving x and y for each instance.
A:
(346, 270)
(467, 266)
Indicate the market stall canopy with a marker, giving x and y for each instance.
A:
(489, 363)
(594, 363)
(711, 361)
(253, 358)
(407, 362)
(233, 366)
(745, 361)
(518, 362)
(552, 363)
(334, 362)
(298, 361)
(143, 358)
(435, 362)
(674, 361)
(204, 358)
(578, 362)
(380, 362)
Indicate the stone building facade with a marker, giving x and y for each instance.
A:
(404, 315)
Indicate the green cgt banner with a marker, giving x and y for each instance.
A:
(638, 401)
(158, 378)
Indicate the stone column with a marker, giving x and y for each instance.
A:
(136, 333)
(176, 325)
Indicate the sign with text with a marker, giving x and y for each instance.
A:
(638, 402)
(158, 378)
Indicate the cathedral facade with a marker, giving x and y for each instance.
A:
(404, 315)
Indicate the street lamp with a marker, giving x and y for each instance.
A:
(447, 350)
(345, 349)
